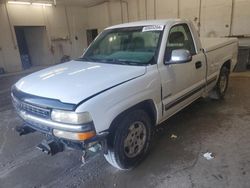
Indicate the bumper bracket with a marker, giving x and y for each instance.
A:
(50, 147)
(23, 130)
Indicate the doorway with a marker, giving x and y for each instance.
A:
(33, 45)
(1, 62)
(91, 35)
(23, 47)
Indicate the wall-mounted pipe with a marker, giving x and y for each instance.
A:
(121, 11)
(199, 21)
(10, 27)
(109, 14)
(138, 9)
(154, 9)
(68, 26)
(47, 25)
(231, 18)
(178, 8)
(126, 9)
(146, 9)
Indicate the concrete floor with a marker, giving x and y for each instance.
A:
(221, 127)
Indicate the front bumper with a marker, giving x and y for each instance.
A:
(37, 118)
(48, 125)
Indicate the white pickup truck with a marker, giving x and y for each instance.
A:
(131, 78)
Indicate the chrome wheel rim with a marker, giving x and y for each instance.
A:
(135, 140)
(223, 83)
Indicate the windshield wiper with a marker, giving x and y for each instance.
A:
(86, 59)
(121, 61)
(131, 62)
(113, 61)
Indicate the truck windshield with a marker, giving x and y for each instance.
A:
(132, 46)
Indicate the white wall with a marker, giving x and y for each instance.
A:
(189, 9)
(166, 9)
(38, 45)
(241, 16)
(62, 24)
(213, 16)
(98, 17)
(10, 56)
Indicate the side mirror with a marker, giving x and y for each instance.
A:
(180, 56)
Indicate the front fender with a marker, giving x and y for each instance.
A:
(104, 108)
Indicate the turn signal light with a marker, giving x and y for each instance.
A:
(74, 136)
(86, 135)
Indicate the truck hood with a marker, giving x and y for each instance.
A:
(74, 81)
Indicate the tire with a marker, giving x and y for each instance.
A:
(221, 85)
(130, 141)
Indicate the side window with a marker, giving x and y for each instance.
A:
(179, 38)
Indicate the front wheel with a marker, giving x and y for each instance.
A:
(130, 141)
(221, 85)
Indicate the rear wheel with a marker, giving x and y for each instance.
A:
(222, 84)
(131, 139)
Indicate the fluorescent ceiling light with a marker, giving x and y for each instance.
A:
(19, 2)
(42, 4)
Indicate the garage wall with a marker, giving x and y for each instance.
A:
(241, 15)
(38, 45)
(215, 18)
(189, 9)
(8, 49)
(166, 9)
(99, 17)
(65, 29)
(210, 17)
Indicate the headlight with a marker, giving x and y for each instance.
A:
(70, 117)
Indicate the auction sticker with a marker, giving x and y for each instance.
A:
(153, 28)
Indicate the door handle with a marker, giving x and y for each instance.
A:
(198, 65)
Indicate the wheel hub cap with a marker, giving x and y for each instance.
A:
(135, 140)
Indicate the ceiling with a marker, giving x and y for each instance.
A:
(80, 2)
(86, 3)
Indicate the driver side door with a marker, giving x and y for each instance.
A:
(181, 82)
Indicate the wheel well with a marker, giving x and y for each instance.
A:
(147, 105)
(227, 64)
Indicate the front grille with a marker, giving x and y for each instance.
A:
(30, 109)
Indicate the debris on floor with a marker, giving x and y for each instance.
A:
(208, 155)
(173, 136)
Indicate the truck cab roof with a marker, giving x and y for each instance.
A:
(148, 22)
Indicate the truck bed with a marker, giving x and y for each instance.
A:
(210, 44)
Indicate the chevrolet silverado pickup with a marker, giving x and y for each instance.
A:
(131, 78)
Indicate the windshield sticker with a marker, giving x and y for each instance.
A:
(153, 28)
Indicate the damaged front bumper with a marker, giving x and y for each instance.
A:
(52, 145)
(59, 136)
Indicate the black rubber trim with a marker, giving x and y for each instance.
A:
(90, 97)
(41, 101)
(189, 94)
(211, 80)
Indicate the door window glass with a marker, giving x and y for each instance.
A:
(179, 38)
